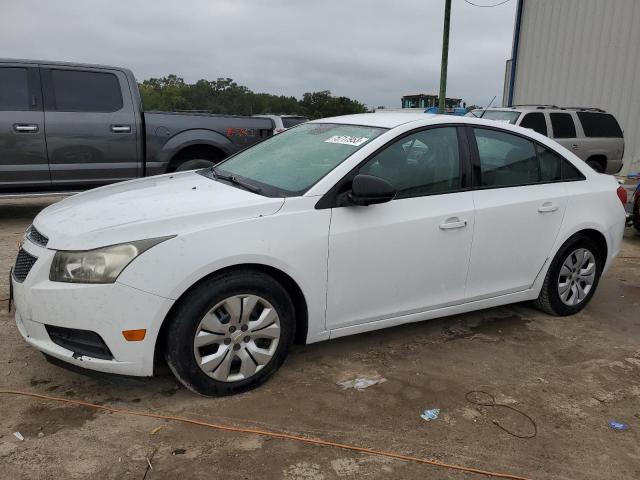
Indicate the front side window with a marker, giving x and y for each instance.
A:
(535, 121)
(14, 89)
(422, 163)
(505, 159)
(291, 162)
(78, 91)
(563, 126)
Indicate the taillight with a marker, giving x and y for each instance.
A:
(622, 194)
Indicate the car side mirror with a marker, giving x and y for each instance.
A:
(369, 190)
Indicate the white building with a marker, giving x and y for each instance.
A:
(580, 53)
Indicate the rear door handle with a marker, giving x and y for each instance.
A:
(25, 128)
(121, 128)
(453, 222)
(575, 146)
(548, 207)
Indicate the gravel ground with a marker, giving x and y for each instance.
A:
(570, 375)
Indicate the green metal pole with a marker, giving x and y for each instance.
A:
(445, 55)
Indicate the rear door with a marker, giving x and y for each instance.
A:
(564, 131)
(23, 154)
(519, 207)
(91, 125)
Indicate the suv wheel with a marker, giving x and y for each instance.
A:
(596, 165)
(230, 333)
(572, 278)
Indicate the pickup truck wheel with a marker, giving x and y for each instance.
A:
(194, 164)
(230, 333)
(572, 278)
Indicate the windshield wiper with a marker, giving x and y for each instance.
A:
(234, 180)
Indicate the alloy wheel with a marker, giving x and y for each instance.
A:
(577, 276)
(237, 338)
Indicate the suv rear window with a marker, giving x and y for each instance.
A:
(599, 125)
(288, 122)
(14, 89)
(78, 91)
(563, 126)
(535, 121)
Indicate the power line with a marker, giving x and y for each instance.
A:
(487, 6)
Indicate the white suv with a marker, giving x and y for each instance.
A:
(591, 133)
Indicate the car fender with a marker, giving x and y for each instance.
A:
(197, 136)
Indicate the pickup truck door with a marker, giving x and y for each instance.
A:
(23, 153)
(91, 127)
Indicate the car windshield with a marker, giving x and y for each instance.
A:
(290, 163)
(499, 115)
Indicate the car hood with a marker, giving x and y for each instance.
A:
(151, 207)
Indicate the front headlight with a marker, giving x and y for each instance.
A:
(102, 265)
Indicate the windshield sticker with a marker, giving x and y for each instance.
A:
(347, 140)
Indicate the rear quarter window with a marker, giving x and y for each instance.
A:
(599, 125)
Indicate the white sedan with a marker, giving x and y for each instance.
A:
(334, 227)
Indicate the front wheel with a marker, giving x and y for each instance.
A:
(572, 278)
(195, 164)
(230, 333)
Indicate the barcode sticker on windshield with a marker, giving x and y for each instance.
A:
(347, 140)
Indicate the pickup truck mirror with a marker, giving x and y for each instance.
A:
(370, 190)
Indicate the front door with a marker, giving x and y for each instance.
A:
(520, 203)
(410, 254)
(91, 126)
(23, 152)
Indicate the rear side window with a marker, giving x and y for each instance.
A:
(505, 159)
(535, 121)
(14, 88)
(563, 126)
(550, 165)
(569, 172)
(78, 91)
(599, 125)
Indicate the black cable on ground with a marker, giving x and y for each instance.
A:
(491, 402)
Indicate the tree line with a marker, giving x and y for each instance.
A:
(225, 96)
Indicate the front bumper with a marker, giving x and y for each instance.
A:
(106, 309)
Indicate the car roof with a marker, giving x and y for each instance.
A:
(384, 120)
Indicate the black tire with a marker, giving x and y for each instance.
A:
(179, 345)
(549, 300)
(636, 214)
(194, 164)
(596, 165)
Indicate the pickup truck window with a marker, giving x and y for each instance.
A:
(14, 89)
(290, 163)
(79, 91)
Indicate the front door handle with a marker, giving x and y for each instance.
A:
(453, 222)
(121, 128)
(575, 146)
(548, 207)
(25, 127)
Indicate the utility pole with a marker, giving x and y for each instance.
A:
(445, 56)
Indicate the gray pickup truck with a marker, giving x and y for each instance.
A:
(68, 127)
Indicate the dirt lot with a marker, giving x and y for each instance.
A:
(571, 375)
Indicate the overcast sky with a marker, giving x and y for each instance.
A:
(371, 50)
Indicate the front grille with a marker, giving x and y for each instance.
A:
(23, 265)
(80, 342)
(36, 237)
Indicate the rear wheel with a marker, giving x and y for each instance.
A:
(194, 164)
(572, 278)
(597, 165)
(230, 333)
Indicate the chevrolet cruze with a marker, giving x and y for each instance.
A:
(334, 227)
